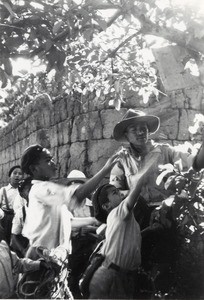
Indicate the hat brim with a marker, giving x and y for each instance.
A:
(77, 179)
(152, 122)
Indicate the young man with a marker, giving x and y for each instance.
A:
(51, 203)
(7, 198)
(135, 128)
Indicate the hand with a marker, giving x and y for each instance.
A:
(112, 161)
(44, 265)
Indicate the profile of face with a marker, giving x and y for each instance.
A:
(137, 134)
(114, 197)
(45, 167)
(15, 177)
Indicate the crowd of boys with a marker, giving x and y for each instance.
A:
(38, 212)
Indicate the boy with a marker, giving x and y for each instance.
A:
(47, 199)
(116, 277)
(10, 266)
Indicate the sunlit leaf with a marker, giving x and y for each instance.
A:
(7, 66)
(57, 27)
(3, 78)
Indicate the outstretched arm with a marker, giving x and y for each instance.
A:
(132, 198)
(85, 189)
(198, 163)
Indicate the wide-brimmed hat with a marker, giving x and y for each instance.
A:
(133, 117)
(76, 176)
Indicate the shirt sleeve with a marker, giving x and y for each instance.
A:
(51, 194)
(22, 265)
(122, 210)
(183, 160)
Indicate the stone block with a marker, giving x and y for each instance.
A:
(169, 123)
(77, 156)
(183, 133)
(63, 156)
(64, 132)
(86, 126)
(195, 98)
(171, 68)
(98, 152)
(53, 136)
(109, 118)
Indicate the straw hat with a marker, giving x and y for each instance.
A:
(133, 117)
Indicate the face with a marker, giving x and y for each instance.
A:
(137, 134)
(15, 177)
(45, 167)
(114, 197)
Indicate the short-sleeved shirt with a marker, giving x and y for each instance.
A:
(11, 194)
(48, 204)
(122, 173)
(122, 244)
(20, 205)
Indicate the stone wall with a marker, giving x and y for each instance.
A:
(79, 131)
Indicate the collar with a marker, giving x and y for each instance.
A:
(10, 187)
(34, 181)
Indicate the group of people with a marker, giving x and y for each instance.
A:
(48, 214)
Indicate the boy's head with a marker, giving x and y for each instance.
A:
(15, 175)
(104, 200)
(38, 162)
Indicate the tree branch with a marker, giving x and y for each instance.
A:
(171, 34)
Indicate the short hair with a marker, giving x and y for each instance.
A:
(30, 156)
(13, 168)
(99, 198)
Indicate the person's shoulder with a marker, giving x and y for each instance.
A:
(163, 145)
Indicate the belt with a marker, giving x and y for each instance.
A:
(118, 268)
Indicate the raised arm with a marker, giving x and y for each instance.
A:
(198, 163)
(85, 189)
(132, 198)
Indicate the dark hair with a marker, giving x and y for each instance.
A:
(13, 168)
(29, 157)
(25, 183)
(99, 198)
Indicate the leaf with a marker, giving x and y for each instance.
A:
(43, 31)
(48, 45)
(88, 34)
(52, 56)
(60, 60)
(101, 23)
(57, 27)
(117, 102)
(3, 78)
(199, 32)
(117, 86)
(7, 66)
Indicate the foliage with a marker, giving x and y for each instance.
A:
(87, 46)
(188, 215)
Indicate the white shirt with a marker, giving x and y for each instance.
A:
(11, 193)
(18, 221)
(47, 203)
